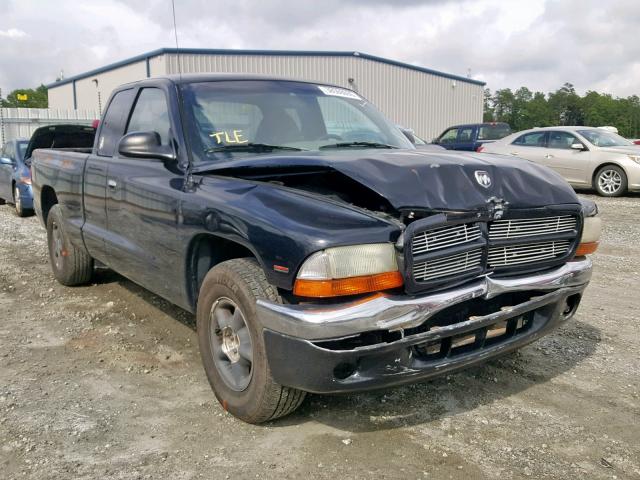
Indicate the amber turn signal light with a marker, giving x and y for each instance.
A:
(347, 286)
(586, 248)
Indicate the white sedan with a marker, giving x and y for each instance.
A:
(585, 156)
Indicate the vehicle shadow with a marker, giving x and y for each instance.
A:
(455, 393)
(429, 401)
(105, 276)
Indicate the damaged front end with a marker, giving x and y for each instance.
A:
(488, 257)
(389, 340)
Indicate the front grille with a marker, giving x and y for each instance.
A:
(526, 253)
(439, 252)
(527, 227)
(447, 266)
(445, 237)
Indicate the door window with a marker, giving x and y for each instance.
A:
(534, 139)
(112, 127)
(562, 140)
(9, 153)
(450, 136)
(465, 135)
(151, 114)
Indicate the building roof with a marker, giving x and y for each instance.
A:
(284, 53)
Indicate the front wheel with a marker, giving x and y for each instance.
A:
(610, 181)
(71, 265)
(232, 345)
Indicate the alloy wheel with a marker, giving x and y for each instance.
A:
(231, 344)
(58, 246)
(609, 181)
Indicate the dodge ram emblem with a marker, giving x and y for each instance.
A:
(483, 178)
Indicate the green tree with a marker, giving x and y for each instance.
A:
(565, 104)
(488, 114)
(36, 98)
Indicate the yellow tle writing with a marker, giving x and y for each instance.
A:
(229, 137)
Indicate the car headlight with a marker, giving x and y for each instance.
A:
(590, 236)
(635, 158)
(349, 270)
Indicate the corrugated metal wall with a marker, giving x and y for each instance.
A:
(426, 102)
(22, 122)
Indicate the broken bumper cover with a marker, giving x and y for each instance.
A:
(304, 348)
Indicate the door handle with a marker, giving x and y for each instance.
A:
(548, 155)
(513, 153)
(112, 184)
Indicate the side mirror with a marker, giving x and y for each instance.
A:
(578, 146)
(5, 161)
(145, 145)
(409, 134)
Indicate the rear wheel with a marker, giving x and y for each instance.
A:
(232, 346)
(610, 181)
(71, 265)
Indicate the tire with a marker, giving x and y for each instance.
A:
(610, 181)
(71, 265)
(252, 395)
(17, 202)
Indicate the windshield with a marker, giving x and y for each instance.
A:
(237, 118)
(22, 148)
(602, 138)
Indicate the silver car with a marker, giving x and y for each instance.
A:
(585, 156)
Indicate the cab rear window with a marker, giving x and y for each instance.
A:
(493, 132)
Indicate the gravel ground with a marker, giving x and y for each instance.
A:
(105, 381)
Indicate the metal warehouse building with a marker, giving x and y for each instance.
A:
(420, 98)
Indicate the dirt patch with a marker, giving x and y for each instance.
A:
(105, 381)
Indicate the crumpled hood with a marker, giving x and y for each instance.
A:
(423, 179)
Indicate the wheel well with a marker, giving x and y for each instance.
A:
(205, 252)
(595, 172)
(48, 199)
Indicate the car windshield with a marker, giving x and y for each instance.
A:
(602, 138)
(227, 119)
(22, 149)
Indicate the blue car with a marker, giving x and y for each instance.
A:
(15, 177)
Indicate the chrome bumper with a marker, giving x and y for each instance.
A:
(396, 312)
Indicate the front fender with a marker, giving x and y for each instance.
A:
(280, 225)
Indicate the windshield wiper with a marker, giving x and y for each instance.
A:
(251, 147)
(357, 144)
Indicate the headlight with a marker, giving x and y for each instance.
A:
(635, 158)
(590, 236)
(349, 271)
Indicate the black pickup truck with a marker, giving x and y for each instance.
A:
(320, 251)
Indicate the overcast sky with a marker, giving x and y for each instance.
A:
(536, 43)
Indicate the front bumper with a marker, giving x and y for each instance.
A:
(327, 349)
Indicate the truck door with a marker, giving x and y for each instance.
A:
(94, 230)
(467, 139)
(142, 204)
(448, 139)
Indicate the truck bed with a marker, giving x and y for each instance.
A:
(63, 170)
